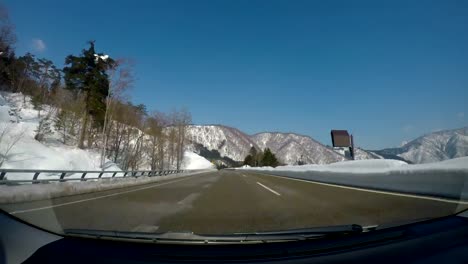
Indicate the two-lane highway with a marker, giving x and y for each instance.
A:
(227, 202)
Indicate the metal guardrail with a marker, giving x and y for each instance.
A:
(64, 175)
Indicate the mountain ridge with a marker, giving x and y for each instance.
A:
(432, 147)
(295, 148)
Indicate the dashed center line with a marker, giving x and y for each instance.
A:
(269, 189)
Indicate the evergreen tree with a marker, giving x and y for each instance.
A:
(256, 157)
(86, 74)
(43, 129)
(7, 55)
(269, 159)
(37, 102)
(249, 160)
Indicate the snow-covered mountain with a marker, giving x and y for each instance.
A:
(225, 145)
(361, 154)
(437, 146)
(234, 144)
(229, 142)
(291, 148)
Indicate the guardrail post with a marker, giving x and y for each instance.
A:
(35, 177)
(62, 174)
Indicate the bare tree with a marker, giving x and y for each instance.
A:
(180, 119)
(184, 118)
(69, 108)
(156, 140)
(7, 141)
(121, 79)
(172, 144)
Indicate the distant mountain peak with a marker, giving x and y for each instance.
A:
(433, 147)
(290, 148)
(293, 148)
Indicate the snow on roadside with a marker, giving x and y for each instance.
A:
(17, 114)
(446, 179)
(29, 153)
(193, 161)
(33, 192)
(372, 166)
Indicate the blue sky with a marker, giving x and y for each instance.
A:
(388, 71)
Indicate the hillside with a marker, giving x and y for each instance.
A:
(230, 145)
(18, 122)
(223, 144)
(229, 142)
(292, 148)
(433, 147)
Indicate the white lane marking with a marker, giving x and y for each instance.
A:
(266, 187)
(374, 191)
(189, 198)
(244, 176)
(94, 198)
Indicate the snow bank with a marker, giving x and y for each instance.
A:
(442, 179)
(3, 109)
(33, 192)
(31, 154)
(20, 121)
(19, 117)
(372, 166)
(193, 161)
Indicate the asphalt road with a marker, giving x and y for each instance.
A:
(227, 202)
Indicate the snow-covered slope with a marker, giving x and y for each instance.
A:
(292, 148)
(19, 121)
(361, 154)
(437, 146)
(228, 141)
(193, 161)
(234, 144)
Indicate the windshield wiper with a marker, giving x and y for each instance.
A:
(189, 237)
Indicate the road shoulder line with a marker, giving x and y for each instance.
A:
(370, 190)
(96, 198)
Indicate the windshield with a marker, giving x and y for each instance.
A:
(235, 118)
